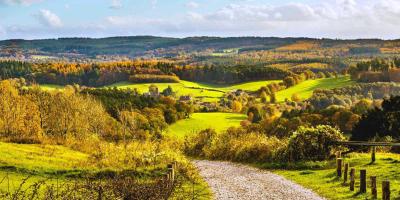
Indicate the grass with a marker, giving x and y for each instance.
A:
(325, 182)
(248, 86)
(209, 92)
(201, 121)
(57, 165)
(306, 88)
(179, 88)
(39, 162)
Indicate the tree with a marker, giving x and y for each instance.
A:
(272, 97)
(255, 114)
(313, 143)
(153, 89)
(289, 81)
(168, 91)
(19, 119)
(263, 97)
(296, 97)
(236, 106)
(379, 122)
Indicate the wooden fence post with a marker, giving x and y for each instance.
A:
(385, 190)
(373, 187)
(171, 171)
(373, 152)
(339, 162)
(346, 171)
(352, 178)
(338, 154)
(100, 193)
(363, 181)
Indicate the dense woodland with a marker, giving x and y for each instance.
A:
(100, 74)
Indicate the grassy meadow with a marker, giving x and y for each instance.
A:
(305, 89)
(325, 182)
(200, 121)
(38, 162)
(212, 92)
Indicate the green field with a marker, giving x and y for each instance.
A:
(179, 88)
(248, 86)
(212, 92)
(201, 121)
(325, 182)
(208, 91)
(38, 162)
(306, 88)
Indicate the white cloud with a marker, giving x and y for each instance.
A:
(331, 18)
(19, 2)
(116, 4)
(49, 19)
(192, 5)
(153, 3)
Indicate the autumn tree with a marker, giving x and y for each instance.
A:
(236, 106)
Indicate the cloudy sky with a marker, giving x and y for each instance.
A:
(31, 19)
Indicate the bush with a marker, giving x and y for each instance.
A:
(236, 144)
(313, 143)
(194, 146)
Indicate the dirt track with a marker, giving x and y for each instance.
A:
(234, 181)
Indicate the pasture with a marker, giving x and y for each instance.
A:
(38, 162)
(305, 89)
(201, 121)
(325, 182)
(210, 92)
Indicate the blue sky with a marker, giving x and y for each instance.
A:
(31, 19)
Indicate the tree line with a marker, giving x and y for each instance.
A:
(104, 73)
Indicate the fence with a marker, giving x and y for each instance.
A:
(119, 187)
(385, 185)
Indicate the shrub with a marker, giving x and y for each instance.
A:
(236, 144)
(313, 143)
(194, 146)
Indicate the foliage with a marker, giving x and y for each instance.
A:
(313, 143)
(149, 78)
(380, 122)
(235, 144)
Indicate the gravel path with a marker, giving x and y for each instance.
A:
(234, 181)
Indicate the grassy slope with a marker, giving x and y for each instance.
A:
(200, 121)
(18, 161)
(55, 164)
(211, 92)
(306, 88)
(250, 86)
(327, 184)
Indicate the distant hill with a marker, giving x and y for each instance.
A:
(150, 46)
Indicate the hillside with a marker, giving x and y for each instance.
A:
(306, 88)
(201, 121)
(148, 46)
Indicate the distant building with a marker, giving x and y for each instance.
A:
(185, 98)
(208, 106)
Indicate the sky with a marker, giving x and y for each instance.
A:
(343, 19)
